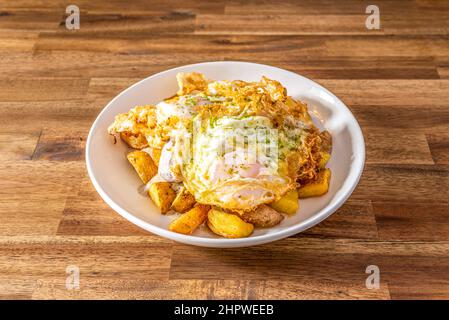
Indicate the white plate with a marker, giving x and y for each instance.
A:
(118, 184)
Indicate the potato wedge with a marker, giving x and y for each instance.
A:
(156, 155)
(184, 201)
(162, 195)
(317, 188)
(324, 159)
(263, 216)
(287, 204)
(189, 221)
(143, 164)
(136, 141)
(228, 225)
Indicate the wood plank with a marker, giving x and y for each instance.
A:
(301, 260)
(390, 92)
(322, 7)
(354, 220)
(17, 41)
(247, 46)
(410, 118)
(286, 260)
(178, 22)
(97, 65)
(416, 275)
(33, 195)
(26, 258)
(104, 89)
(62, 115)
(396, 146)
(60, 146)
(242, 24)
(420, 19)
(27, 20)
(412, 221)
(202, 289)
(86, 214)
(115, 6)
(439, 147)
(42, 89)
(17, 289)
(443, 72)
(115, 65)
(18, 145)
(389, 45)
(404, 183)
(418, 23)
(432, 6)
(365, 73)
(411, 269)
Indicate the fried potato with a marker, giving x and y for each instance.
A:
(162, 195)
(228, 225)
(143, 164)
(136, 141)
(188, 222)
(263, 216)
(317, 188)
(189, 82)
(156, 155)
(324, 159)
(184, 201)
(287, 204)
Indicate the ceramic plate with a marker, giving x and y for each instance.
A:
(118, 184)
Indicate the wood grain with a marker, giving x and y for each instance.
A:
(439, 147)
(54, 82)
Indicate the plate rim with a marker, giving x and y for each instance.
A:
(319, 216)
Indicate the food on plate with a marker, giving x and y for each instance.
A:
(143, 164)
(156, 155)
(189, 221)
(263, 216)
(228, 225)
(162, 195)
(247, 150)
(184, 201)
(318, 187)
(324, 159)
(287, 204)
(136, 141)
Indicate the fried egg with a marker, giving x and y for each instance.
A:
(235, 163)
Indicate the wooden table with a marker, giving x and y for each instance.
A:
(55, 81)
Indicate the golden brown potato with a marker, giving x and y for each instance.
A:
(188, 222)
(189, 82)
(317, 188)
(136, 141)
(228, 225)
(156, 154)
(162, 195)
(143, 164)
(287, 204)
(324, 159)
(184, 201)
(263, 216)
